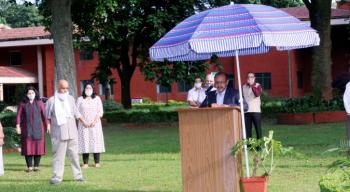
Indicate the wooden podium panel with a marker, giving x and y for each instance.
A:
(206, 138)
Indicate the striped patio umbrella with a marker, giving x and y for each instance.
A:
(232, 30)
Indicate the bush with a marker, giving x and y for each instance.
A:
(8, 119)
(3, 105)
(111, 105)
(134, 116)
(311, 104)
(12, 139)
(337, 181)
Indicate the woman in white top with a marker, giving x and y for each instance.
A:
(90, 135)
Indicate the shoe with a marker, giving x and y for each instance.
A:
(85, 166)
(30, 169)
(97, 165)
(55, 181)
(36, 169)
(80, 180)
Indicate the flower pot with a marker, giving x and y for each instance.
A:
(330, 116)
(295, 118)
(254, 184)
(12, 150)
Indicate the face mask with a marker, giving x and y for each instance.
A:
(207, 85)
(63, 96)
(31, 97)
(198, 85)
(88, 92)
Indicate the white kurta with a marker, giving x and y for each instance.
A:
(90, 139)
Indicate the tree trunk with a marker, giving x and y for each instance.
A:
(125, 88)
(61, 30)
(320, 16)
(108, 89)
(125, 71)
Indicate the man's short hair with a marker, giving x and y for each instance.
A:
(222, 74)
(198, 78)
(250, 73)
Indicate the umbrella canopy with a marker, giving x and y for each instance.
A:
(232, 30)
(246, 28)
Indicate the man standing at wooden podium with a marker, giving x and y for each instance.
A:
(224, 96)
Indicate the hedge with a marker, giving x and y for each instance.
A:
(337, 181)
(12, 139)
(8, 119)
(141, 116)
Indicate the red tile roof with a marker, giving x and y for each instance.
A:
(6, 71)
(302, 13)
(23, 33)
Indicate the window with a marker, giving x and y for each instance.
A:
(83, 83)
(102, 88)
(300, 79)
(163, 89)
(15, 58)
(86, 55)
(183, 86)
(264, 79)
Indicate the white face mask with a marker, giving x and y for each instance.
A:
(31, 97)
(63, 96)
(198, 85)
(88, 92)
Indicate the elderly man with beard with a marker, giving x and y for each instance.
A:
(62, 114)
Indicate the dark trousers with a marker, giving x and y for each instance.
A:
(86, 158)
(29, 160)
(253, 118)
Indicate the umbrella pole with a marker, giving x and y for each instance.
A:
(242, 113)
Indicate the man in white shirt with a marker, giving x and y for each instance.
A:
(196, 95)
(209, 83)
(346, 99)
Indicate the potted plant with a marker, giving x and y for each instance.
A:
(263, 152)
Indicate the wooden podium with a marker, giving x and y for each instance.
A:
(206, 138)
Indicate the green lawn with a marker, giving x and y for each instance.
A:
(148, 160)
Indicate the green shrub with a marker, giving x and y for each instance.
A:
(12, 139)
(311, 104)
(134, 116)
(146, 100)
(111, 105)
(8, 119)
(3, 105)
(338, 181)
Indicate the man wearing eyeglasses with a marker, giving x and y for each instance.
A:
(251, 93)
(224, 96)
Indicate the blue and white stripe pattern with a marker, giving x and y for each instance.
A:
(246, 28)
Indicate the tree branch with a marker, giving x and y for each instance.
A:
(307, 4)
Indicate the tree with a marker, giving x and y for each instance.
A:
(274, 3)
(19, 15)
(166, 73)
(124, 30)
(320, 16)
(59, 22)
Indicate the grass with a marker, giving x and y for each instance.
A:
(139, 160)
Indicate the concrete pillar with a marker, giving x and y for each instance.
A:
(40, 70)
